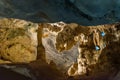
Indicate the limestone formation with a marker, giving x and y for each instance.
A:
(72, 48)
(18, 40)
(59, 50)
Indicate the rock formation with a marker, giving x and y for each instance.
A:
(18, 40)
(74, 48)
(59, 50)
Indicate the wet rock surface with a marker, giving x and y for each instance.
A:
(64, 51)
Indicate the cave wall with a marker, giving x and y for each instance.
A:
(82, 12)
(75, 45)
(68, 49)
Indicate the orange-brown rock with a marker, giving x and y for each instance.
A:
(72, 48)
(60, 48)
(18, 40)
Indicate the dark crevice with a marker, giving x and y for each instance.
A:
(9, 46)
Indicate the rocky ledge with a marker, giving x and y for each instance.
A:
(60, 51)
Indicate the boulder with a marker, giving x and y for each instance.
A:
(18, 40)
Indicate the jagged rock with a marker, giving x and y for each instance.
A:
(18, 40)
(63, 48)
(72, 48)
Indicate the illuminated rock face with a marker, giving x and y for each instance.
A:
(69, 48)
(18, 40)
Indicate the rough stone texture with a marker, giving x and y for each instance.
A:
(18, 40)
(64, 51)
(72, 48)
